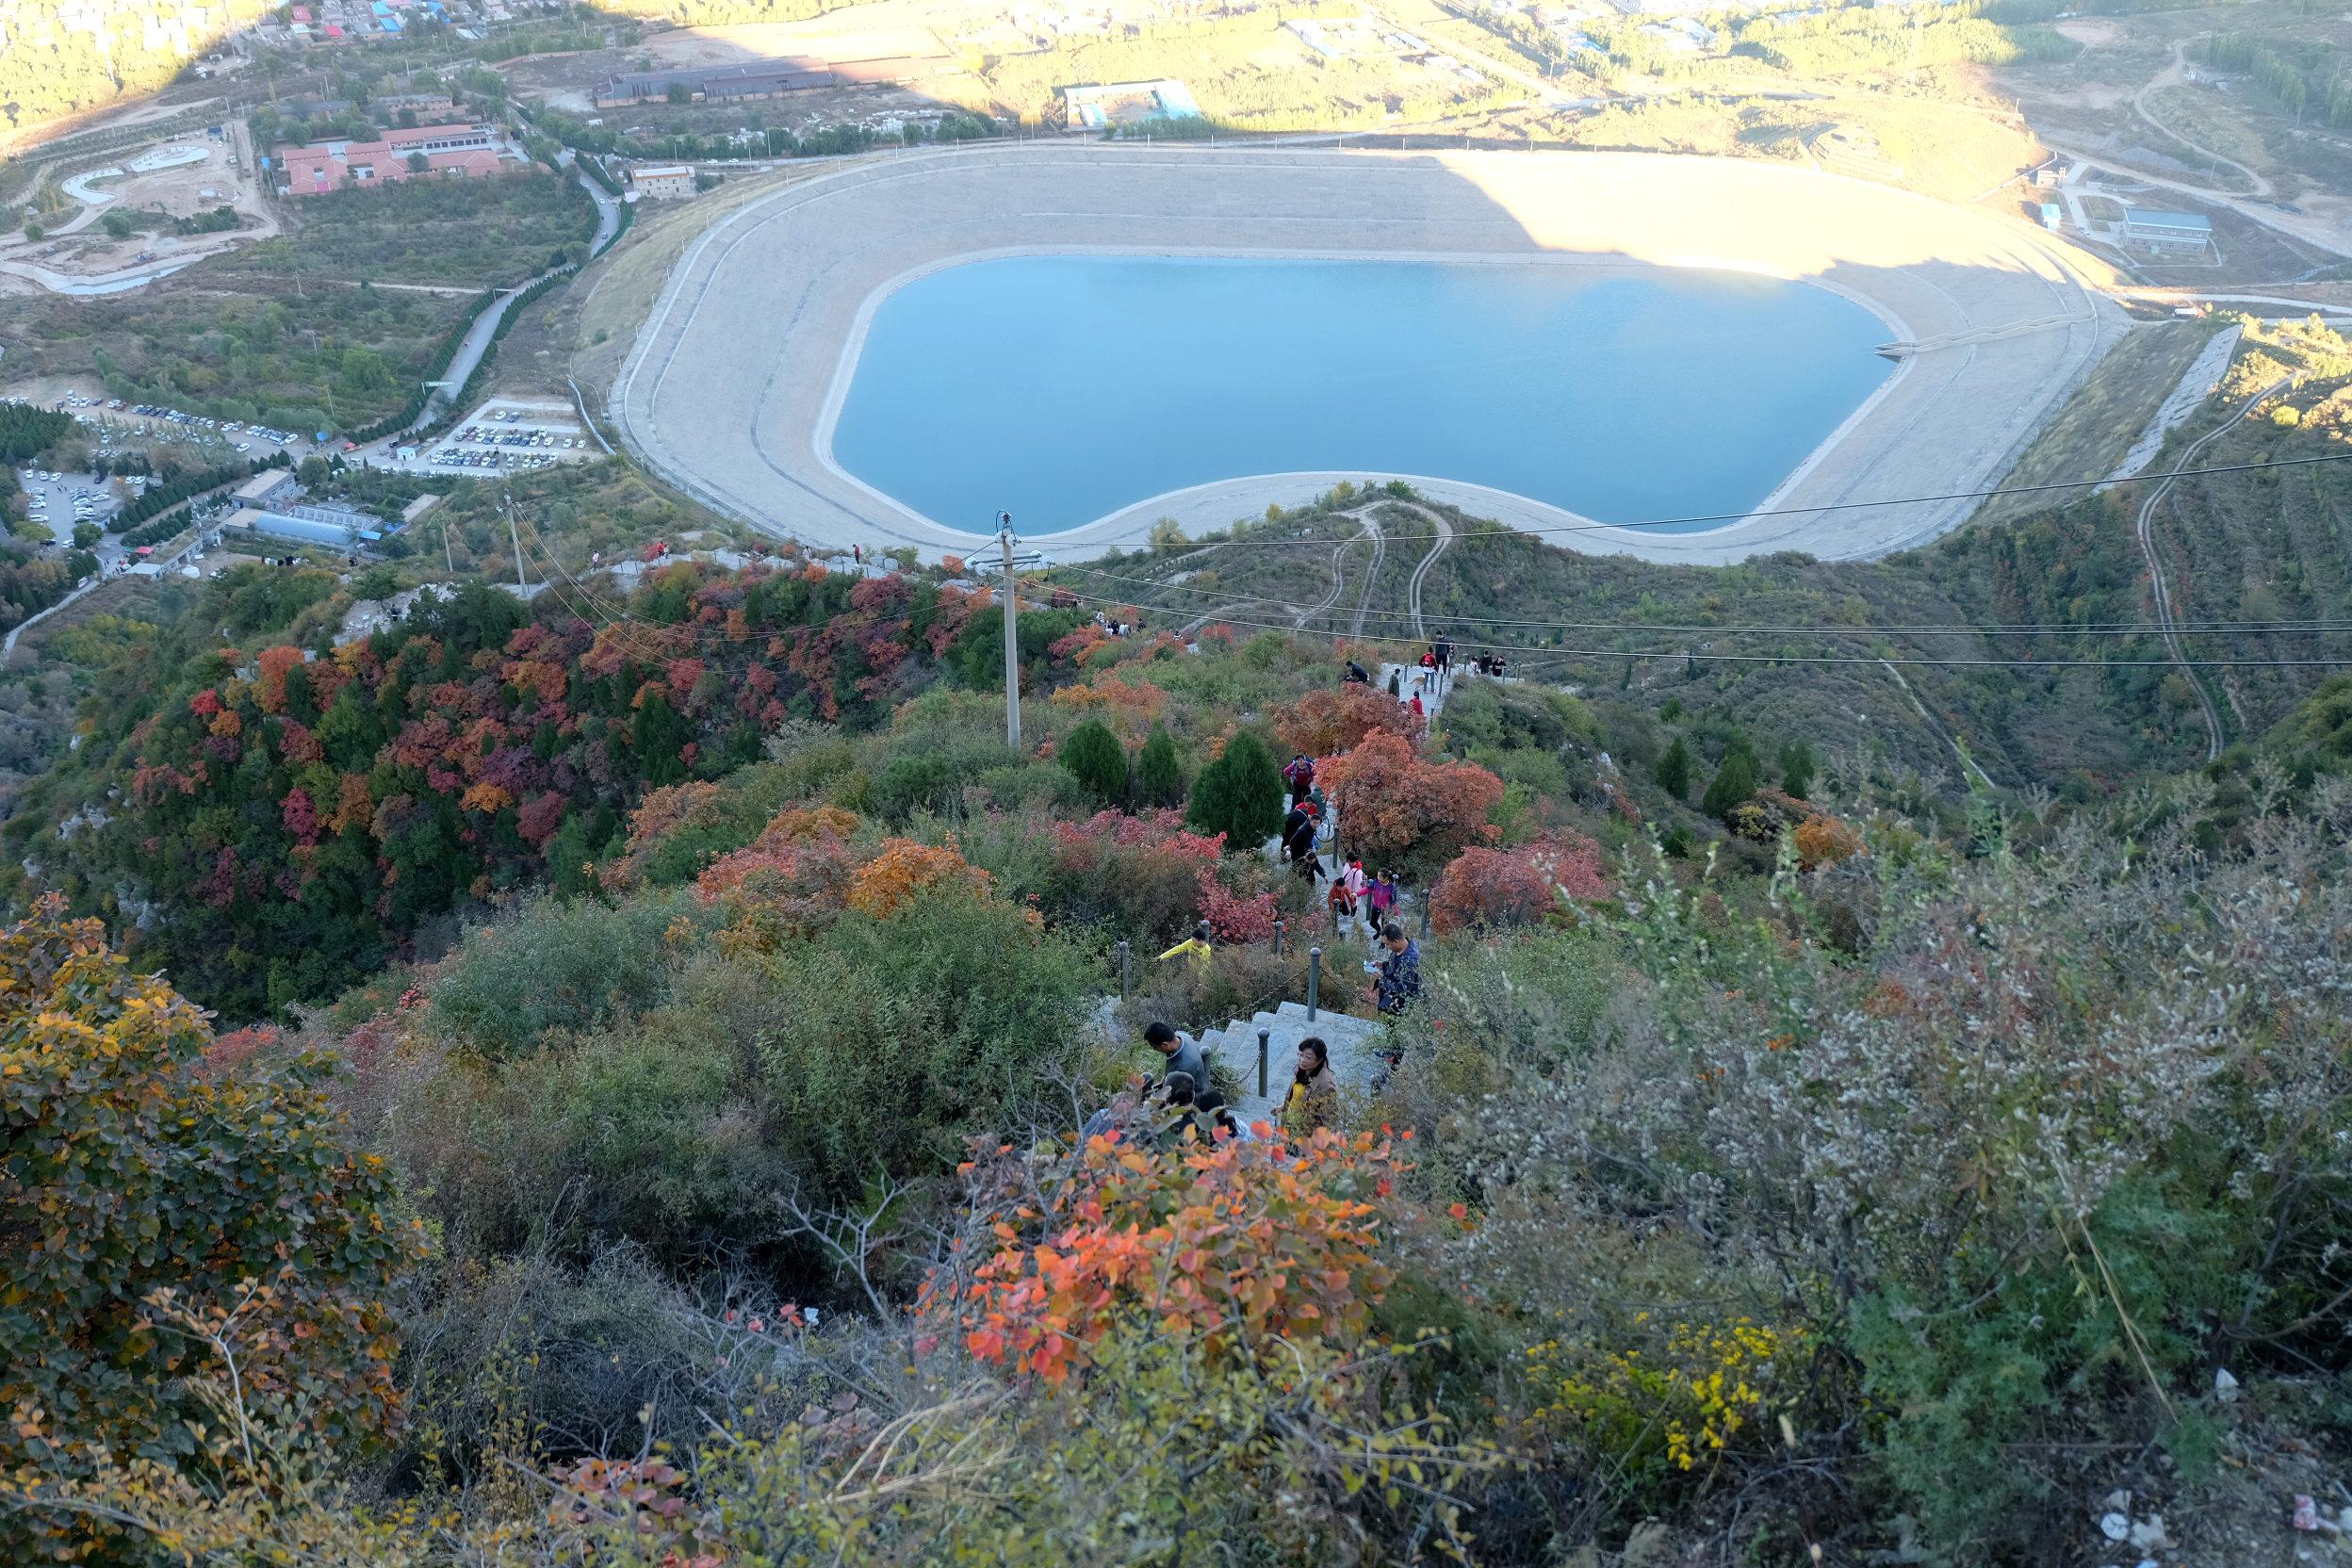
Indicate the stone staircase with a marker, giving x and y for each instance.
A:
(1354, 1043)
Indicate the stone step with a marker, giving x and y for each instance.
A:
(1353, 1042)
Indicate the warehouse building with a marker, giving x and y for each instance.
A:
(669, 179)
(2168, 234)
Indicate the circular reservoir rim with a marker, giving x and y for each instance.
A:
(1534, 512)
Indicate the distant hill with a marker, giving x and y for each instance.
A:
(63, 56)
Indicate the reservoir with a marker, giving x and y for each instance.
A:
(1066, 388)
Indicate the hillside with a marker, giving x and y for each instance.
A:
(1632, 638)
(730, 1194)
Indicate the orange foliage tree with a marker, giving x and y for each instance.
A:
(1239, 1243)
(1824, 840)
(1486, 889)
(905, 870)
(169, 1220)
(1396, 808)
(792, 880)
(1326, 722)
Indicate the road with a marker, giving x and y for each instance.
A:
(2170, 77)
(2142, 528)
(2309, 230)
(1438, 546)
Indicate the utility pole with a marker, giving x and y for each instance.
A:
(518, 542)
(1012, 640)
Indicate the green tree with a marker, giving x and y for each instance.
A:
(117, 224)
(1159, 774)
(170, 1205)
(35, 233)
(659, 734)
(86, 534)
(1735, 781)
(1094, 757)
(1240, 795)
(1797, 768)
(1674, 770)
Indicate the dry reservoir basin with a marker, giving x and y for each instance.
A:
(1066, 388)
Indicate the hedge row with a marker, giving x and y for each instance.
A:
(158, 503)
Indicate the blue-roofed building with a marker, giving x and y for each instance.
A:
(2167, 232)
(391, 24)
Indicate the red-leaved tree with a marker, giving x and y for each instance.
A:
(1486, 889)
(1397, 809)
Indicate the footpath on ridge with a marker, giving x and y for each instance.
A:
(1354, 1043)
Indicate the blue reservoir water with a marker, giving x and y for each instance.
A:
(1066, 388)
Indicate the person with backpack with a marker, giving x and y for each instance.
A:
(1300, 775)
(1442, 651)
(1343, 906)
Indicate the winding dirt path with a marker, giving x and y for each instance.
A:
(2172, 76)
(2142, 527)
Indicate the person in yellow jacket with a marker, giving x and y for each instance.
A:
(1314, 1099)
(1196, 948)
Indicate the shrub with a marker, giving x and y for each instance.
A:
(1398, 810)
(1159, 775)
(1484, 890)
(881, 1041)
(557, 966)
(1094, 757)
(1244, 1245)
(1239, 794)
(1328, 722)
(166, 1219)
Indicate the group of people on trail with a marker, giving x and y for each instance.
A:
(1183, 1095)
(1360, 897)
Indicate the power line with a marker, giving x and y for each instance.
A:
(1508, 530)
(2020, 629)
(1537, 650)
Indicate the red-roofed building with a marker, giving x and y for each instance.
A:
(450, 152)
(333, 32)
(302, 13)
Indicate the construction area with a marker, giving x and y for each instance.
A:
(114, 221)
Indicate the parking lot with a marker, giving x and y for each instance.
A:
(510, 435)
(117, 423)
(58, 501)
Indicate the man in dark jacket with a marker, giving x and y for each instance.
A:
(1398, 976)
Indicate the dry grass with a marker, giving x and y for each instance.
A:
(2096, 426)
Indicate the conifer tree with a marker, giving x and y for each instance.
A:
(1094, 757)
(1674, 770)
(1240, 795)
(1159, 775)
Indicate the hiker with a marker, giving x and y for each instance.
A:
(1343, 906)
(1380, 897)
(1299, 836)
(857, 554)
(1418, 711)
(1357, 675)
(1443, 651)
(1314, 1099)
(1300, 775)
(1398, 978)
(1396, 683)
(1359, 887)
(1196, 947)
(1180, 1056)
